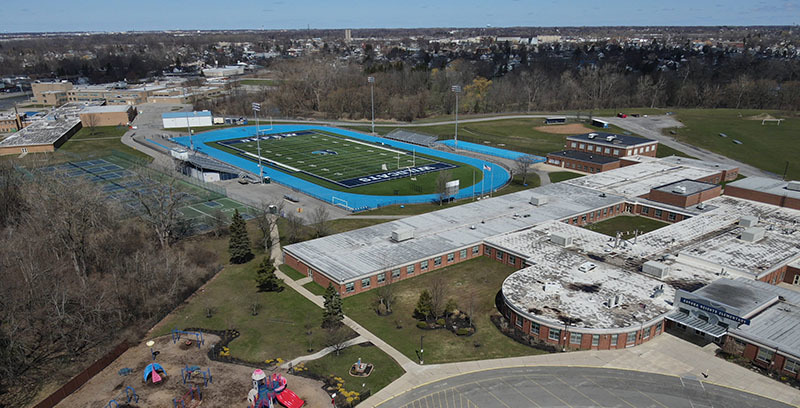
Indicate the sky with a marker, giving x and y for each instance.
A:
(119, 15)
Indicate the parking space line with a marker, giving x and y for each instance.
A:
(520, 393)
(495, 397)
(651, 398)
(578, 391)
(606, 390)
(548, 391)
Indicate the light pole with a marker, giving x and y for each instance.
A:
(371, 81)
(189, 126)
(456, 90)
(256, 109)
(421, 350)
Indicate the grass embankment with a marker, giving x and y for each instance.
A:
(627, 225)
(99, 142)
(768, 147)
(477, 280)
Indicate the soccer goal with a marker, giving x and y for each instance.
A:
(341, 203)
(778, 121)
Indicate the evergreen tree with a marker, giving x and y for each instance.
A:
(424, 306)
(265, 276)
(332, 316)
(239, 245)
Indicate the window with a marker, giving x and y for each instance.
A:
(645, 210)
(395, 273)
(575, 338)
(365, 282)
(595, 340)
(575, 220)
(574, 144)
(616, 152)
(381, 277)
(765, 355)
(608, 150)
(487, 250)
(437, 261)
(350, 287)
(463, 254)
(646, 333)
(631, 338)
(476, 250)
(554, 334)
(535, 328)
(658, 327)
(658, 213)
(423, 266)
(791, 365)
(671, 216)
(498, 254)
(614, 339)
(582, 146)
(591, 216)
(591, 148)
(518, 321)
(409, 269)
(598, 213)
(451, 257)
(310, 273)
(512, 259)
(583, 218)
(605, 212)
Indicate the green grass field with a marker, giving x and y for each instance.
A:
(291, 272)
(558, 176)
(99, 143)
(478, 279)
(385, 369)
(768, 147)
(327, 159)
(627, 225)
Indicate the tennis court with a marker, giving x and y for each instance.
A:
(338, 159)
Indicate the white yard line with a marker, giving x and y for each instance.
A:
(263, 159)
(376, 146)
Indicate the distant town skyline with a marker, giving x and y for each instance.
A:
(147, 15)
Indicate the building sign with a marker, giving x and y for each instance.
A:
(721, 313)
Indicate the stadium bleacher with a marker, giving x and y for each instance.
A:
(420, 139)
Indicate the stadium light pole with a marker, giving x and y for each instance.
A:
(256, 108)
(189, 126)
(456, 90)
(371, 81)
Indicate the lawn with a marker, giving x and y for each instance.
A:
(231, 294)
(666, 151)
(558, 176)
(99, 143)
(627, 224)
(337, 162)
(315, 288)
(291, 272)
(768, 147)
(385, 370)
(478, 279)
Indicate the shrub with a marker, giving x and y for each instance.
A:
(440, 322)
(462, 331)
(382, 309)
(422, 325)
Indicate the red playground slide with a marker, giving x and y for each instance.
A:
(289, 399)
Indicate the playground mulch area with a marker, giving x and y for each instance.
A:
(231, 382)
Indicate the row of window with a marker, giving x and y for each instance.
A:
(671, 216)
(767, 356)
(423, 266)
(580, 167)
(576, 338)
(592, 215)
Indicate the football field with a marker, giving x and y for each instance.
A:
(338, 159)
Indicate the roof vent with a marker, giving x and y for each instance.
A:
(538, 200)
(748, 221)
(610, 138)
(401, 235)
(592, 135)
(655, 269)
(753, 234)
(679, 189)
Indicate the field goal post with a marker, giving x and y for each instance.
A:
(341, 203)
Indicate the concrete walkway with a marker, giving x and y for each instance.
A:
(665, 354)
(322, 353)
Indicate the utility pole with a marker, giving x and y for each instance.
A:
(456, 90)
(256, 109)
(371, 81)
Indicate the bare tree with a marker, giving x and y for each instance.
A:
(267, 222)
(160, 203)
(337, 338)
(218, 223)
(522, 166)
(294, 227)
(439, 291)
(441, 185)
(384, 293)
(91, 121)
(320, 222)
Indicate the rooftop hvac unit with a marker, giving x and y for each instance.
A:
(561, 240)
(610, 138)
(401, 235)
(793, 185)
(538, 200)
(753, 234)
(550, 287)
(748, 221)
(679, 190)
(655, 269)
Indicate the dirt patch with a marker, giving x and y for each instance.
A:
(231, 382)
(570, 129)
(760, 117)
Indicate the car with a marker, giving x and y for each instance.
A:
(622, 115)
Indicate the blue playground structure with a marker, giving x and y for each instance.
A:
(198, 336)
(187, 372)
(191, 398)
(153, 372)
(130, 395)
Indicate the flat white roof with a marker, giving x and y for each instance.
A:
(637, 180)
(105, 109)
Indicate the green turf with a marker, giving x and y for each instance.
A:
(666, 151)
(282, 315)
(768, 147)
(478, 279)
(558, 176)
(315, 288)
(104, 140)
(627, 225)
(291, 272)
(294, 155)
(384, 372)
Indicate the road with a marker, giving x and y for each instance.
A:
(651, 128)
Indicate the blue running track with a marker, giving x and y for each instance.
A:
(497, 176)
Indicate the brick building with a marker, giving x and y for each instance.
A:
(582, 161)
(766, 190)
(598, 152)
(109, 115)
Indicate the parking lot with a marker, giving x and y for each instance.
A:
(525, 387)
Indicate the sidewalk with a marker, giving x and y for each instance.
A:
(322, 353)
(665, 354)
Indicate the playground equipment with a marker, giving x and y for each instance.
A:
(191, 398)
(187, 372)
(130, 395)
(266, 389)
(198, 336)
(153, 372)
